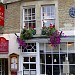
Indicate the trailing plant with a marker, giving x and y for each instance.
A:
(20, 41)
(24, 35)
(53, 34)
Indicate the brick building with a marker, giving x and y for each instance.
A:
(40, 58)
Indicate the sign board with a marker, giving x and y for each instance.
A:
(3, 45)
(1, 15)
(14, 62)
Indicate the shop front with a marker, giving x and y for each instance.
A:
(3, 66)
(40, 58)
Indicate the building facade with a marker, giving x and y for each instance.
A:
(39, 58)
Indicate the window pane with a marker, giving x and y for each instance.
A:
(32, 72)
(25, 11)
(56, 70)
(44, 9)
(48, 22)
(32, 59)
(26, 59)
(56, 58)
(0, 73)
(71, 58)
(29, 18)
(48, 59)
(26, 72)
(42, 68)
(26, 18)
(42, 58)
(26, 24)
(33, 16)
(33, 10)
(62, 58)
(29, 12)
(63, 47)
(70, 46)
(48, 9)
(25, 66)
(49, 69)
(0, 67)
(32, 66)
(72, 69)
(61, 66)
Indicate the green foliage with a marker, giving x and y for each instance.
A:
(27, 34)
(48, 31)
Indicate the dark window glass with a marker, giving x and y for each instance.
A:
(62, 58)
(26, 59)
(48, 69)
(72, 69)
(42, 69)
(33, 10)
(25, 66)
(48, 59)
(32, 66)
(71, 58)
(32, 59)
(56, 70)
(42, 58)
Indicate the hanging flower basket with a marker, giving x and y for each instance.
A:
(27, 34)
(53, 34)
(24, 35)
(50, 32)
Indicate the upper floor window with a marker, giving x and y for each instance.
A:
(48, 15)
(1, 1)
(29, 17)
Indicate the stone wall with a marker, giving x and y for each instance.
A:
(9, 1)
(65, 21)
(11, 18)
(38, 4)
(12, 15)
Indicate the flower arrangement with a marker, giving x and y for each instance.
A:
(50, 32)
(27, 33)
(53, 34)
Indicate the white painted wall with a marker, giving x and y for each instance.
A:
(13, 44)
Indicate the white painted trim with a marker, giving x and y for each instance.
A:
(21, 64)
(69, 32)
(38, 59)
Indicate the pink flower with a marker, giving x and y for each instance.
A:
(54, 26)
(44, 27)
(25, 26)
(51, 26)
(32, 26)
